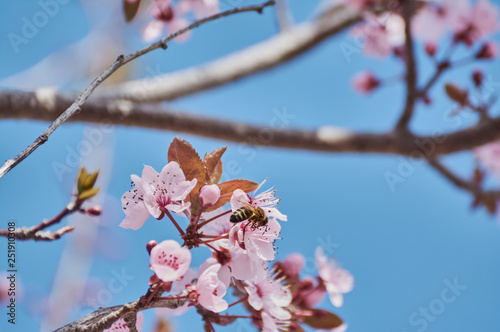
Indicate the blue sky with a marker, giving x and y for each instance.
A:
(404, 247)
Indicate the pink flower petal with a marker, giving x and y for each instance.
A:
(169, 260)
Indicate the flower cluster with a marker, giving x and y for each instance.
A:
(464, 22)
(239, 224)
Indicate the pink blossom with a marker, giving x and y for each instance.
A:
(489, 156)
(211, 289)
(273, 324)
(257, 243)
(336, 280)
(169, 260)
(121, 326)
(164, 18)
(217, 227)
(489, 50)
(310, 293)
(209, 195)
(154, 194)
(381, 34)
(201, 8)
(360, 4)
(365, 82)
(436, 18)
(292, 264)
(266, 200)
(270, 296)
(477, 22)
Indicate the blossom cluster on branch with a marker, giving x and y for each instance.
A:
(239, 223)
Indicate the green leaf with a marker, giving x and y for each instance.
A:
(130, 9)
(213, 165)
(322, 319)
(88, 193)
(227, 188)
(90, 180)
(82, 176)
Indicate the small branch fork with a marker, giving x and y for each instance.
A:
(120, 61)
(36, 232)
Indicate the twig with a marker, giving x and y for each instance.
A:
(469, 186)
(265, 55)
(440, 69)
(411, 70)
(35, 232)
(120, 61)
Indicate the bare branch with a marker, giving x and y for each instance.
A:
(263, 56)
(411, 68)
(488, 198)
(103, 318)
(36, 232)
(120, 61)
(25, 105)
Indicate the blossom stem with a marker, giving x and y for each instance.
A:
(210, 246)
(237, 316)
(239, 301)
(225, 236)
(212, 219)
(174, 222)
(153, 293)
(173, 297)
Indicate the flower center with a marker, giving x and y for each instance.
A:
(170, 261)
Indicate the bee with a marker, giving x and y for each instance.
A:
(254, 215)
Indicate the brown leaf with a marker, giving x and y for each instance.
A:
(227, 188)
(213, 165)
(456, 94)
(322, 319)
(190, 162)
(130, 9)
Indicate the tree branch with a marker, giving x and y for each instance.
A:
(411, 68)
(36, 232)
(268, 54)
(25, 105)
(120, 61)
(488, 198)
(103, 318)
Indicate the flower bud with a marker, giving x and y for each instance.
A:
(477, 78)
(209, 195)
(95, 210)
(365, 82)
(488, 51)
(151, 244)
(430, 48)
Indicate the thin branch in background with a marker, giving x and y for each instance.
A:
(488, 198)
(265, 55)
(120, 61)
(411, 68)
